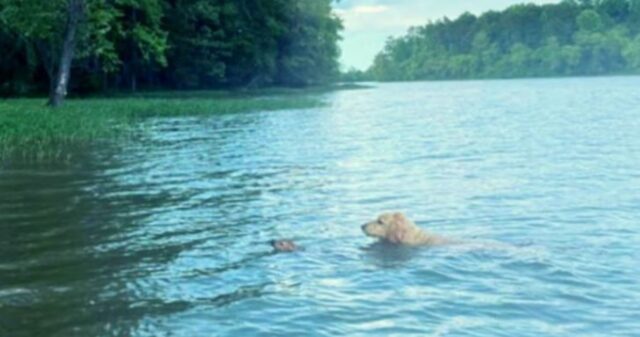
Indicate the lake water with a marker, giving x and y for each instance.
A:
(168, 234)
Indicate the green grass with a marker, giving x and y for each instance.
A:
(30, 130)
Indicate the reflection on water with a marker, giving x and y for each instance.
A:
(387, 255)
(168, 235)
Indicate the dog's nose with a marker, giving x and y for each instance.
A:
(363, 226)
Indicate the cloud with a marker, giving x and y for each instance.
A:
(369, 9)
(376, 17)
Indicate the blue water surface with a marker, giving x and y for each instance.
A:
(168, 236)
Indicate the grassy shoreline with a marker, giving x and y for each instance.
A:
(30, 130)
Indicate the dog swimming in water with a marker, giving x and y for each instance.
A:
(397, 229)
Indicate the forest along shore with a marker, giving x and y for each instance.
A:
(95, 46)
(571, 38)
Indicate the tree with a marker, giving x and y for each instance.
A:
(632, 54)
(19, 65)
(307, 51)
(616, 10)
(634, 16)
(354, 75)
(52, 28)
(142, 41)
(198, 50)
(55, 28)
(75, 10)
(589, 21)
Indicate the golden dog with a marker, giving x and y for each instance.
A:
(396, 228)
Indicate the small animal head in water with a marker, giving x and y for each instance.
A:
(284, 246)
(388, 226)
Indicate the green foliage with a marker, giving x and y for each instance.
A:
(199, 43)
(308, 50)
(632, 53)
(181, 44)
(354, 75)
(252, 43)
(564, 39)
(589, 21)
(29, 129)
(34, 19)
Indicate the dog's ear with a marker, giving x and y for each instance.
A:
(397, 232)
(399, 218)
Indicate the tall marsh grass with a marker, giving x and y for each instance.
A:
(31, 130)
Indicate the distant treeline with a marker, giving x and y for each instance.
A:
(569, 38)
(166, 44)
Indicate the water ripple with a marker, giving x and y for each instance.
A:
(168, 236)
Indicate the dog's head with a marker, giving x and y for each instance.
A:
(392, 227)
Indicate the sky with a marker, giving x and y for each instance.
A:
(368, 23)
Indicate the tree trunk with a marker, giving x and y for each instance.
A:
(134, 53)
(58, 91)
